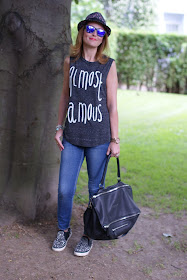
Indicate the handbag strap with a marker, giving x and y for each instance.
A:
(105, 169)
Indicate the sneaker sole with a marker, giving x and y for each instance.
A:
(58, 249)
(79, 254)
(61, 249)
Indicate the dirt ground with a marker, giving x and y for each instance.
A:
(142, 255)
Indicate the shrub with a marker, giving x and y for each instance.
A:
(156, 61)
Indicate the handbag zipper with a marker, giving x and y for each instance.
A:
(94, 196)
(119, 227)
(124, 218)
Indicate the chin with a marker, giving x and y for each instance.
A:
(92, 44)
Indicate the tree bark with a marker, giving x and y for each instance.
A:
(34, 40)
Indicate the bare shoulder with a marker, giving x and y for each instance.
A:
(113, 66)
(113, 71)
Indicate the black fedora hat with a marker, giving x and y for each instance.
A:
(95, 17)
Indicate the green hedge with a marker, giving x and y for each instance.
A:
(152, 60)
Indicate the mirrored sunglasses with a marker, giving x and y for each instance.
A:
(91, 29)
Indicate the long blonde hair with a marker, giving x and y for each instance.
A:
(77, 49)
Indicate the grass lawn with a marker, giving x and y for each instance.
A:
(153, 158)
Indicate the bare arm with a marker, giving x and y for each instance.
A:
(63, 104)
(112, 85)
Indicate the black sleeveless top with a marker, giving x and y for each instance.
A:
(87, 122)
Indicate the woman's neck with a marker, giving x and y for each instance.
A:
(89, 54)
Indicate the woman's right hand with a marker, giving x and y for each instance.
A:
(58, 135)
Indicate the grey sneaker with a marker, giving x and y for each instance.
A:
(83, 247)
(61, 240)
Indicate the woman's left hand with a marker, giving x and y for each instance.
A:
(114, 149)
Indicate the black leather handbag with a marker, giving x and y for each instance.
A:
(111, 212)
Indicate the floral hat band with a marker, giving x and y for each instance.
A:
(95, 17)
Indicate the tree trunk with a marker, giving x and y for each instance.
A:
(34, 40)
(128, 82)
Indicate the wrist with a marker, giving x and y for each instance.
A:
(59, 126)
(115, 140)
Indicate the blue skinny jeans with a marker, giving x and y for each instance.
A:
(71, 161)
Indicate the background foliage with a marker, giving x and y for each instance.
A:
(152, 60)
(132, 14)
(85, 7)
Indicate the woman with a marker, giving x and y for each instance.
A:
(89, 105)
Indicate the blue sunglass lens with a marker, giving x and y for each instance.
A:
(100, 32)
(91, 29)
